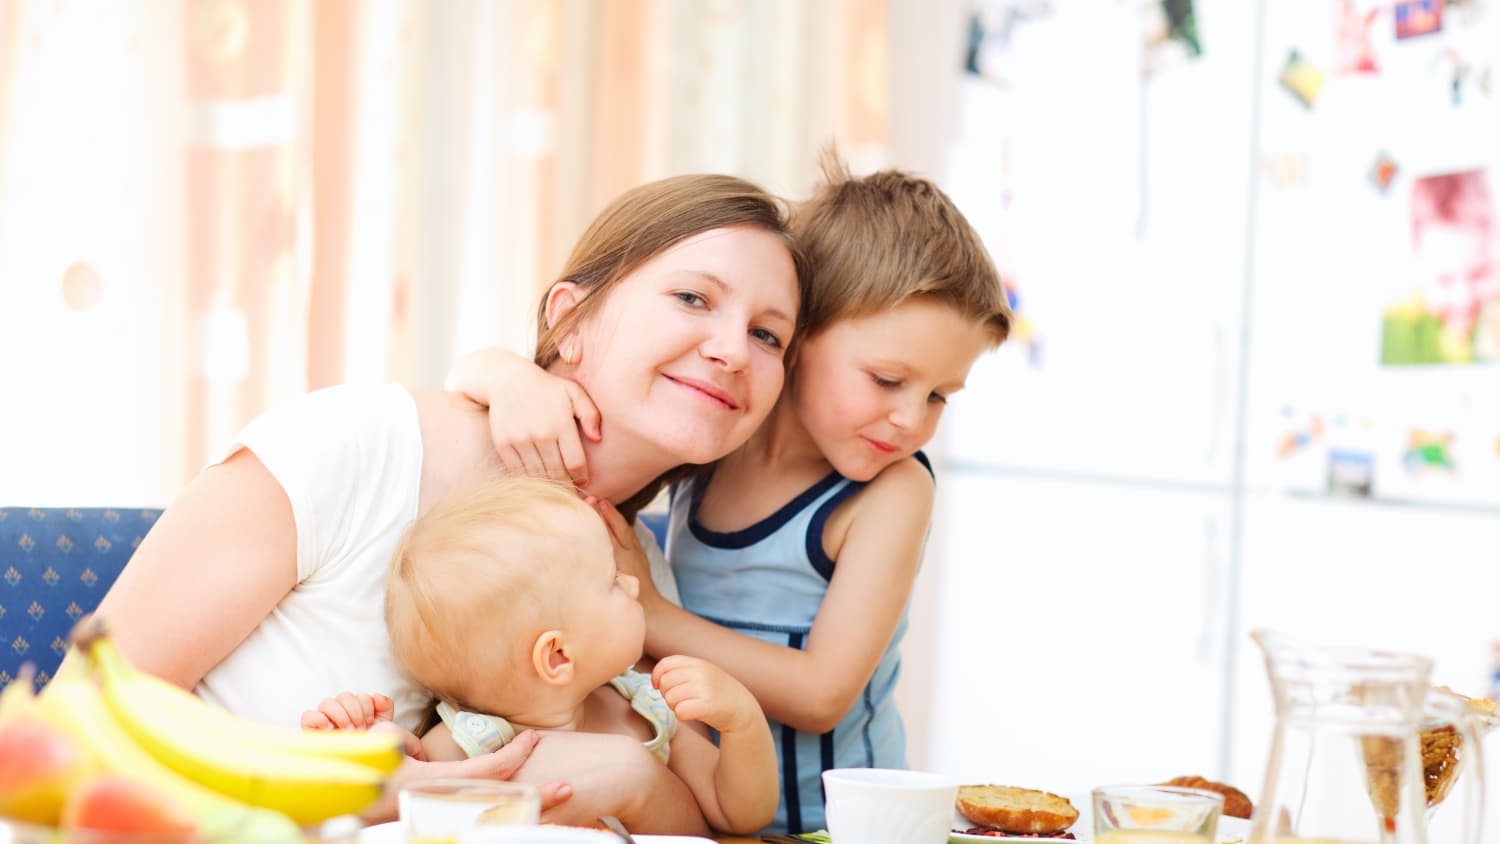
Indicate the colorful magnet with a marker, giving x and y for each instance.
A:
(1301, 79)
(1383, 172)
(1418, 17)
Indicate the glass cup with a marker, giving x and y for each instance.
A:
(1155, 814)
(436, 811)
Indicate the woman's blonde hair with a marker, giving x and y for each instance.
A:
(878, 240)
(467, 574)
(639, 225)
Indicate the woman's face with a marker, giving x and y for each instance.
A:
(686, 353)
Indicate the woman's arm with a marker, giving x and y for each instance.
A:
(604, 775)
(812, 689)
(213, 566)
(612, 775)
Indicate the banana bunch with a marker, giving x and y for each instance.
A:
(76, 707)
(240, 781)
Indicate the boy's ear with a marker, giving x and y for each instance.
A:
(562, 298)
(551, 660)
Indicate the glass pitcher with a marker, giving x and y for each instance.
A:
(1346, 762)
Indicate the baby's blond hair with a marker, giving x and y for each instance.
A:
(469, 575)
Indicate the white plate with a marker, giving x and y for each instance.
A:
(1230, 830)
(390, 833)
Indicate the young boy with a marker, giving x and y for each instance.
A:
(795, 555)
(505, 603)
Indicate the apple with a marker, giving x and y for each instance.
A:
(115, 804)
(39, 767)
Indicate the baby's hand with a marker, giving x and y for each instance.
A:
(349, 711)
(698, 690)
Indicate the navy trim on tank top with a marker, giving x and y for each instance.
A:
(801, 629)
(825, 745)
(791, 793)
(820, 560)
(746, 537)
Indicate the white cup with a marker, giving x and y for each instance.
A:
(888, 806)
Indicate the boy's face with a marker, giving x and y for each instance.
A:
(870, 390)
(606, 625)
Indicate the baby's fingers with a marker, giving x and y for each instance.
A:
(312, 719)
(361, 709)
(336, 713)
(384, 707)
(694, 709)
(673, 670)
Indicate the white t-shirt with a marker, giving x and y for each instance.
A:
(350, 461)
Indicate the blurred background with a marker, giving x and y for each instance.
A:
(1252, 246)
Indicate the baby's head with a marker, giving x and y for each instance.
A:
(904, 297)
(506, 598)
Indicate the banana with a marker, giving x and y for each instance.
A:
(17, 698)
(186, 712)
(75, 707)
(221, 752)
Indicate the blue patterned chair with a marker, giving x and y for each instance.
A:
(55, 565)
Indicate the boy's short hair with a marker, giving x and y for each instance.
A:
(466, 573)
(878, 240)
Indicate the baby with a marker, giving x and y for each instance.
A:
(507, 601)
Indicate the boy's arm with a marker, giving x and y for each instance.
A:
(812, 689)
(532, 413)
(736, 783)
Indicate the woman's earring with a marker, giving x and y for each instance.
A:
(569, 354)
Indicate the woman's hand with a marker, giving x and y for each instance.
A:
(535, 417)
(500, 765)
(630, 557)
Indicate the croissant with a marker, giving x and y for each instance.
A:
(1236, 804)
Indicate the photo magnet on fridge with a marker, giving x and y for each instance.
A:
(1418, 17)
(1301, 78)
(1383, 172)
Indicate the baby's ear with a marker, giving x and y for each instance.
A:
(551, 660)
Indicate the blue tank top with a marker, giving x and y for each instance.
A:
(767, 581)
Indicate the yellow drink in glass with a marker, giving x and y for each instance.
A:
(1151, 836)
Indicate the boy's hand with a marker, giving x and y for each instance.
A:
(532, 414)
(701, 691)
(630, 557)
(349, 711)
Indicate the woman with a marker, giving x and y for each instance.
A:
(261, 587)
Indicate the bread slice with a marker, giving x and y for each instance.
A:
(1236, 804)
(1011, 809)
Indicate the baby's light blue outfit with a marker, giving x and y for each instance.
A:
(477, 733)
(767, 581)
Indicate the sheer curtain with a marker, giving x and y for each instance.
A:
(211, 205)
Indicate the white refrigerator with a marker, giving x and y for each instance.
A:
(1193, 435)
